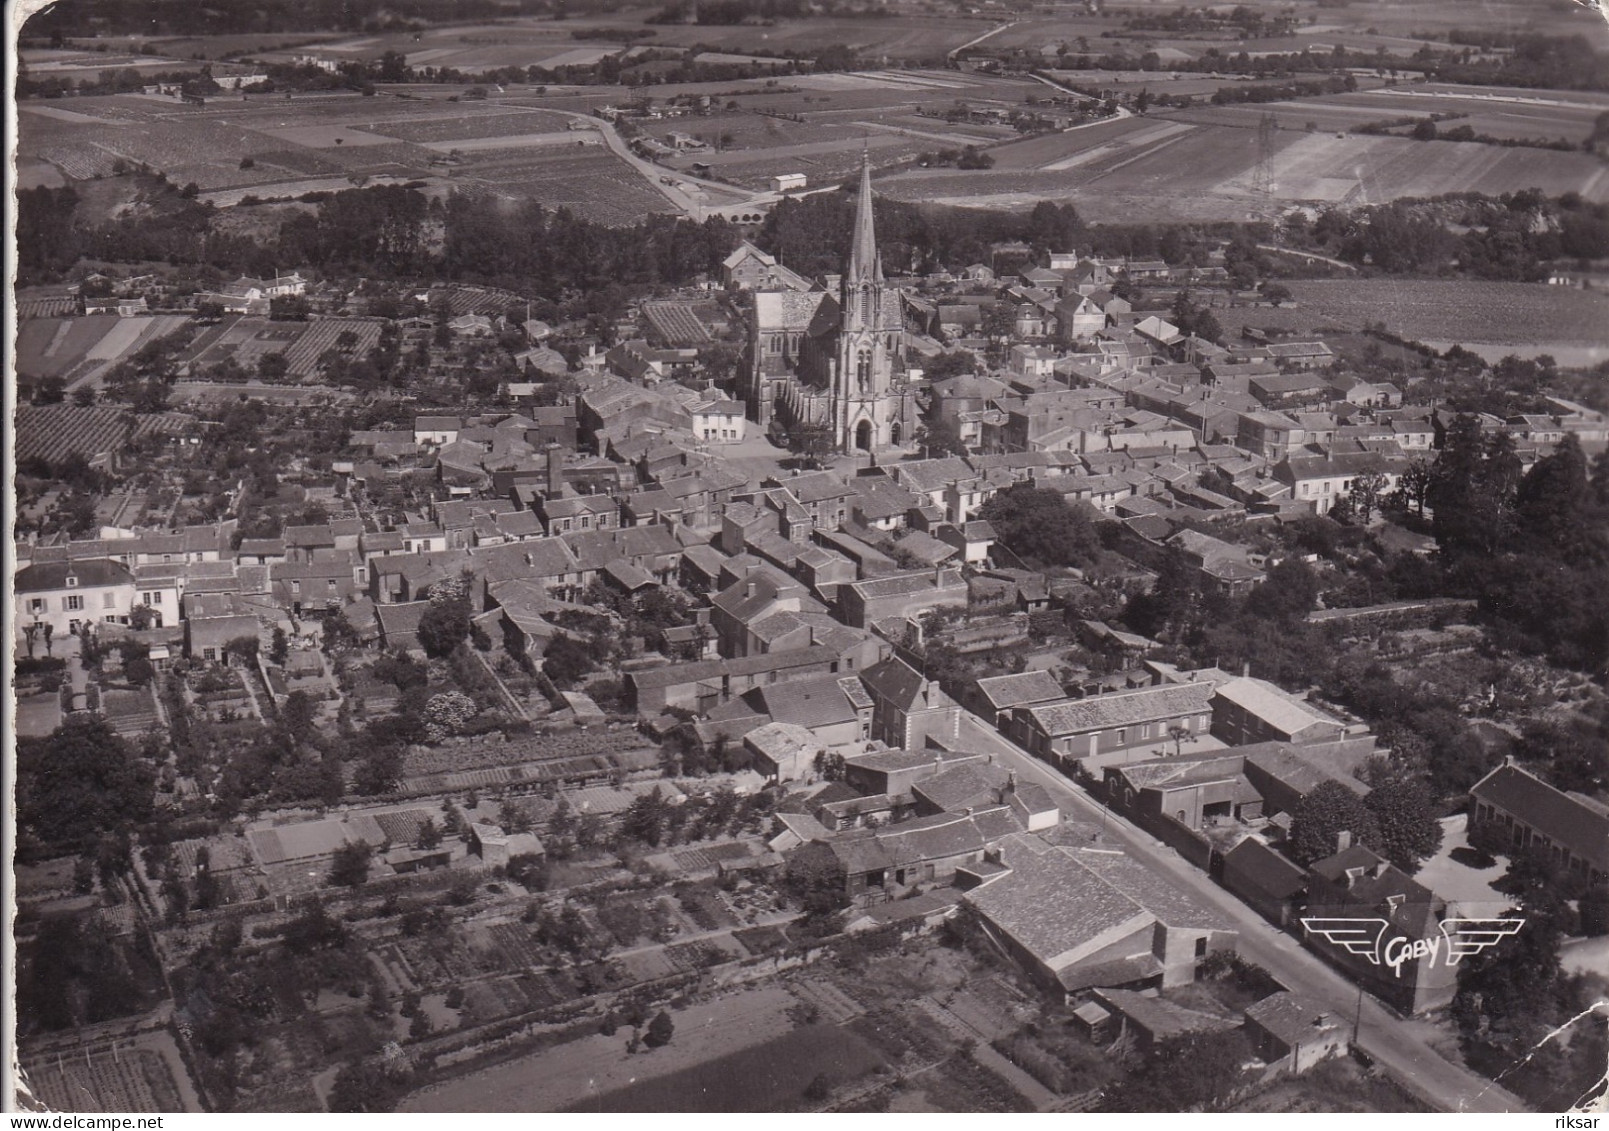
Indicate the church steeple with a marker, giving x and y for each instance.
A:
(865, 265)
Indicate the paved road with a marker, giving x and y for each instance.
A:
(990, 34)
(655, 175)
(1383, 1036)
(1314, 256)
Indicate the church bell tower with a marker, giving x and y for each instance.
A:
(868, 339)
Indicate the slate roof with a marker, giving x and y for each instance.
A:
(895, 681)
(1417, 913)
(974, 784)
(813, 701)
(1265, 868)
(1577, 822)
(1292, 1020)
(44, 577)
(1160, 1017)
(787, 310)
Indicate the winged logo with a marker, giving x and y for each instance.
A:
(1355, 936)
(1471, 936)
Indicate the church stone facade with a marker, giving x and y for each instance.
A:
(837, 360)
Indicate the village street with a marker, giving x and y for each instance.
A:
(1383, 1036)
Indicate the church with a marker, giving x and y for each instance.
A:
(837, 360)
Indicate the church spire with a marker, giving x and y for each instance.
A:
(864, 263)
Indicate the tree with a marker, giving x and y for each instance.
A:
(1405, 812)
(1190, 1072)
(644, 819)
(429, 834)
(1289, 592)
(938, 438)
(812, 443)
(1472, 489)
(447, 713)
(349, 867)
(1552, 499)
(1412, 484)
(50, 390)
(567, 661)
(1323, 815)
(443, 628)
(529, 870)
(1038, 523)
(279, 647)
(367, 1086)
(1365, 495)
(659, 1030)
(953, 363)
(1489, 839)
(81, 780)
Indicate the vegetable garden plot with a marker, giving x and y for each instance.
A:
(133, 1080)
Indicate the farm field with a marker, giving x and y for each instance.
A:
(1356, 169)
(77, 349)
(523, 42)
(1463, 311)
(49, 347)
(768, 1077)
(1195, 165)
(328, 144)
(1494, 111)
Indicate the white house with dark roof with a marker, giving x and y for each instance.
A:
(437, 429)
(74, 594)
(719, 420)
(908, 708)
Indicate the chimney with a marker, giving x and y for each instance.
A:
(555, 470)
(1343, 840)
(1011, 781)
(749, 588)
(1245, 670)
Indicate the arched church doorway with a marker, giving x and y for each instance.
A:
(893, 433)
(863, 435)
